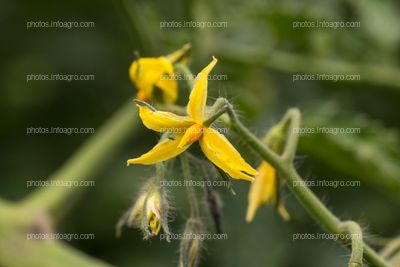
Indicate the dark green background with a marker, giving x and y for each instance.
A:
(261, 94)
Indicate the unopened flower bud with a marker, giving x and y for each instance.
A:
(145, 214)
(190, 245)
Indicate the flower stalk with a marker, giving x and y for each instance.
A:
(284, 165)
(194, 205)
(356, 238)
(190, 248)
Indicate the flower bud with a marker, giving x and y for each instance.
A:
(145, 214)
(190, 245)
(150, 213)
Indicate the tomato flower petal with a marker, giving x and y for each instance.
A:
(198, 96)
(164, 150)
(221, 152)
(162, 121)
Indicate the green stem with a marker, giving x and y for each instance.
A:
(308, 199)
(160, 172)
(85, 163)
(215, 116)
(194, 206)
(284, 165)
(357, 249)
(237, 126)
(293, 118)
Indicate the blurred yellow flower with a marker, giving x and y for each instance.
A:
(151, 73)
(263, 190)
(189, 129)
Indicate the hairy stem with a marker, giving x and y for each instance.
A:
(306, 197)
(292, 118)
(356, 237)
(194, 206)
(284, 165)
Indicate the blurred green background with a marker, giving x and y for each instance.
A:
(259, 51)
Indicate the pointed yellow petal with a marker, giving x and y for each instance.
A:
(198, 96)
(162, 121)
(164, 150)
(262, 189)
(177, 55)
(221, 152)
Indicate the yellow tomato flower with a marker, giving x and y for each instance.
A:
(189, 129)
(152, 209)
(149, 73)
(263, 190)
